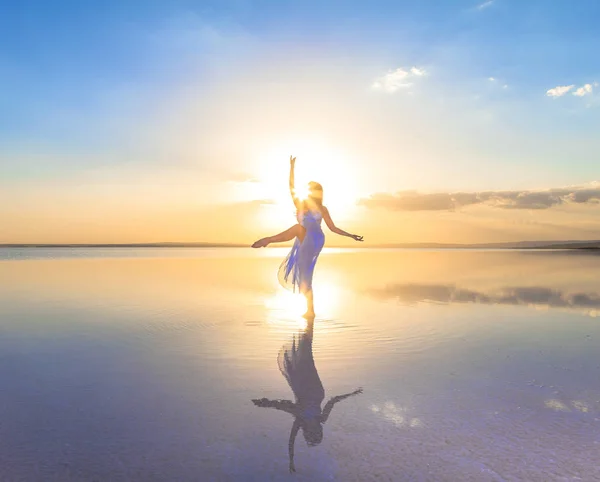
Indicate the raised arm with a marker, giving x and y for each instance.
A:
(283, 405)
(334, 400)
(335, 229)
(292, 183)
(291, 442)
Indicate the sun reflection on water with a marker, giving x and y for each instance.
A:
(284, 306)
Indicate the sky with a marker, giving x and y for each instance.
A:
(425, 121)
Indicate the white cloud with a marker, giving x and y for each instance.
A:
(484, 5)
(397, 79)
(559, 90)
(585, 90)
(497, 82)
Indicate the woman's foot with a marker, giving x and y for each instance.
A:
(261, 243)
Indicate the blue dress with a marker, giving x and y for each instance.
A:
(296, 271)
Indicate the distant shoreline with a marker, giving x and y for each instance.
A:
(556, 245)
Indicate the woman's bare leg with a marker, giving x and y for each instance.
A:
(295, 231)
(310, 305)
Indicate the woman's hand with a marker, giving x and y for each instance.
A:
(356, 237)
(292, 161)
(292, 467)
(357, 391)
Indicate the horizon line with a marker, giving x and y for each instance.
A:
(594, 243)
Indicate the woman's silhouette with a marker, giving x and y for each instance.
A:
(297, 365)
(296, 271)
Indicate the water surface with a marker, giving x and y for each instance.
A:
(142, 365)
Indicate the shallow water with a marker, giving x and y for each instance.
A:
(142, 365)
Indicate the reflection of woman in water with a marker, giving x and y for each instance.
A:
(297, 365)
(296, 271)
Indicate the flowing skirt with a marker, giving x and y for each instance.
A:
(296, 270)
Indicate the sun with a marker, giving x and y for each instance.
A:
(302, 191)
(316, 161)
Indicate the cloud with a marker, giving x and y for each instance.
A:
(559, 91)
(529, 199)
(496, 82)
(240, 177)
(415, 201)
(484, 5)
(518, 296)
(585, 90)
(258, 202)
(398, 79)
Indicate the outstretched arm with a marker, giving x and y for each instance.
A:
(334, 400)
(292, 182)
(335, 229)
(291, 442)
(283, 405)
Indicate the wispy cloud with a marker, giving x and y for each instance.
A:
(484, 5)
(415, 201)
(584, 90)
(495, 81)
(398, 79)
(240, 177)
(559, 90)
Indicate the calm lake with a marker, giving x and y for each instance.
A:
(143, 364)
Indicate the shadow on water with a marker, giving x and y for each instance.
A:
(297, 365)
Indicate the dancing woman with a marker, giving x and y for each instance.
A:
(296, 271)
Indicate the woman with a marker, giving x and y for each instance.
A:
(297, 365)
(296, 271)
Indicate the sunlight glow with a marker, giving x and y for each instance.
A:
(285, 306)
(316, 161)
(302, 191)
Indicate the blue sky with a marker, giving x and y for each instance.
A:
(119, 88)
(63, 61)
